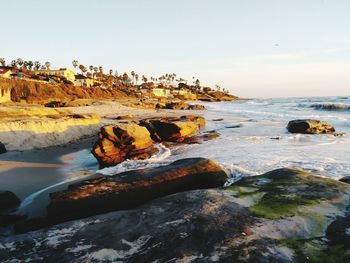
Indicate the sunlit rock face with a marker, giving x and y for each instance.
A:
(30, 127)
(310, 127)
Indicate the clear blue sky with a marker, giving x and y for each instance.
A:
(261, 48)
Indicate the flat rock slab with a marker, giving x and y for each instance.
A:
(129, 189)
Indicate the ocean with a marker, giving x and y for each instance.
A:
(254, 139)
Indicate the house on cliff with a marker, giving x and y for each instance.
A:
(62, 72)
(83, 81)
(5, 72)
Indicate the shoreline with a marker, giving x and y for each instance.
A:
(32, 174)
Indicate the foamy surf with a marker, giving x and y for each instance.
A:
(158, 159)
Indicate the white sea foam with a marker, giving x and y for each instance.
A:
(156, 160)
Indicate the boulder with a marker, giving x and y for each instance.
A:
(345, 179)
(116, 143)
(124, 117)
(309, 126)
(2, 148)
(177, 105)
(129, 189)
(55, 104)
(8, 200)
(197, 107)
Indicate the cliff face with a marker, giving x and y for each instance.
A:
(40, 92)
(29, 127)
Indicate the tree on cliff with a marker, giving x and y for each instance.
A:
(47, 65)
(2, 62)
(37, 65)
(75, 64)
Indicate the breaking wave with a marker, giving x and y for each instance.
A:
(331, 106)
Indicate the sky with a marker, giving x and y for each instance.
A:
(254, 48)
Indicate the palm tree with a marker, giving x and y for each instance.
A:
(14, 63)
(125, 79)
(47, 65)
(111, 72)
(75, 63)
(37, 65)
(20, 62)
(2, 62)
(144, 79)
(136, 78)
(218, 88)
(133, 77)
(91, 67)
(30, 64)
(95, 71)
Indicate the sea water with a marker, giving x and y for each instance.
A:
(254, 139)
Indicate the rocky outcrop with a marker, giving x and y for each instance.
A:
(177, 105)
(129, 189)
(123, 141)
(174, 129)
(8, 200)
(197, 107)
(117, 143)
(282, 216)
(309, 126)
(2, 148)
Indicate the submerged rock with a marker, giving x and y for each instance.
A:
(119, 142)
(8, 200)
(2, 148)
(129, 189)
(310, 127)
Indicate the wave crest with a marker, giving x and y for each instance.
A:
(331, 106)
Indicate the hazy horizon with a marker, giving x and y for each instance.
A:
(253, 48)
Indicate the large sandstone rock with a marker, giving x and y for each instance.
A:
(177, 105)
(129, 189)
(8, 200)
(2, 148)
(117, 143)
(309, 126)
(174, 129)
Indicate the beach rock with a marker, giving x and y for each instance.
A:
(177, 105)
(55, 104)
(8, 200)
(197, 107)
(129, 189)
(10, 219)
(345, 179)
(173, 129)
(2, 148)
(310, 127)
(124, 117)
(286, 215)
(123, 141)
(196, 226)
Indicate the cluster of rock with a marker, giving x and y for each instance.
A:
(135, 140)
(285, 215)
